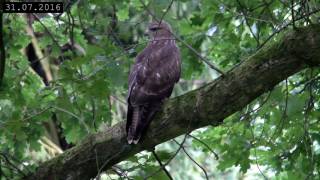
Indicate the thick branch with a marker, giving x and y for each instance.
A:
(208, 105)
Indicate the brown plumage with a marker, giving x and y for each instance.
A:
(157, 68)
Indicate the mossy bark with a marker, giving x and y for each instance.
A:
(208, 105)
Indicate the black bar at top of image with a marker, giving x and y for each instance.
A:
(32, 7)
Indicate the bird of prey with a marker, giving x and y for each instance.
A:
(157, 68)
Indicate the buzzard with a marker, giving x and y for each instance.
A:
(157, 68)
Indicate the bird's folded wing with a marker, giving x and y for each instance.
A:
(154, 74)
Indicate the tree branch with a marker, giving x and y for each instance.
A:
(208, 105)
(194, 161)
(161, 165)
(170, 159)
(244, 12)
(205, 145)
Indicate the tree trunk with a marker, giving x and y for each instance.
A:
(208, 105)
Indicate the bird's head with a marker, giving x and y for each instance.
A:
(157, 30)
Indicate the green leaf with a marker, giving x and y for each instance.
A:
(123, 13)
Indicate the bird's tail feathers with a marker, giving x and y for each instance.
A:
(134, 126)
(141, 118)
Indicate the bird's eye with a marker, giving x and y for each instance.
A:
(154, 28)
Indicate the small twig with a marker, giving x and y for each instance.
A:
(148, 10)
(206, 145)
(73, 115)
(49, 33)
(14, 159)
(71, 30)
(36, 114)
(255, 154)
(308, 82)
(106, 162)
(292, 15)
(194, 161)
(205, 60)
(286, 25)
(161, 165)
(305, 9)
(284, 114)
(165, 164)
(13, 165)
(307, 138)
(258, 108)
(122, 172)
(244, 12)
(119, 100)
(168, 8)
(93, 104)
(11, 170)
(118, 173)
